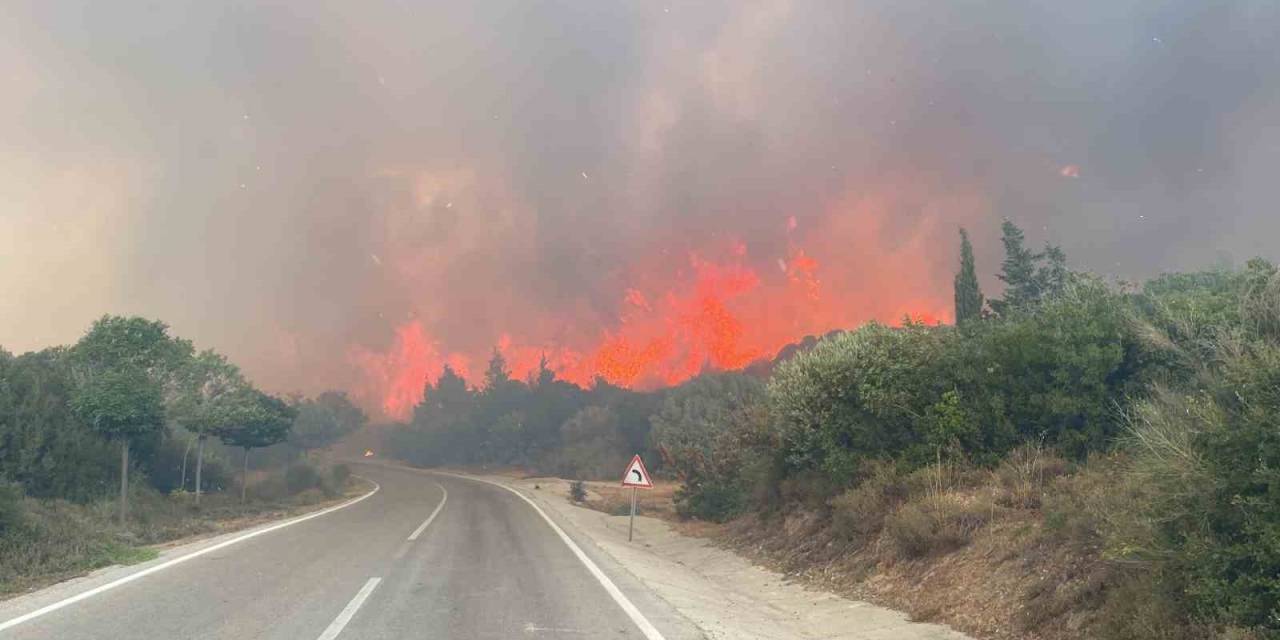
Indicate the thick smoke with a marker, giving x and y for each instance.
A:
(335, 193)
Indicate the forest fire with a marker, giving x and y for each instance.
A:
(715, 309)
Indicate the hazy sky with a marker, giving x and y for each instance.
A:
(293, 183)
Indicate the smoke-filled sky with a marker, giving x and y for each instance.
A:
(349, 195)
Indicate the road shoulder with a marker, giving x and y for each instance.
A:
(23, 605)
(720, 592)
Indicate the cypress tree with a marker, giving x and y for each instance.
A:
(1018, 271)
(967, 293)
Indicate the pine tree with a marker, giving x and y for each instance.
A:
(545, 375)
(496, 376)
(1018, 271)
(968, 295)
(1054, 274)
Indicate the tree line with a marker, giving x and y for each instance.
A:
(128, 390)
(542, 422)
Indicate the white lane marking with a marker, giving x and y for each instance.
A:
(650, 632)
(417, 532)
(176, 561)
(340, 622)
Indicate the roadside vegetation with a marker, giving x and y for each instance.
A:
(131, 438)
(1103, 456)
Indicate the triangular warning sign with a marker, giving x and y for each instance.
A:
(636, 475)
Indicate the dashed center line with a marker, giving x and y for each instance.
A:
(339, 623)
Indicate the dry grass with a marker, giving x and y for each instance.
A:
(858, 515)
(936, 524)
(1021, 479)
(610, 498)
(964, 547)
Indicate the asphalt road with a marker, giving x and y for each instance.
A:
(488, 565)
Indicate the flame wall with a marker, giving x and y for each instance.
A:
(676, 310)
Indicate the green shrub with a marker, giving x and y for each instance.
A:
(340, 474)
(1099, 506)
(592, 445)
(857, 396)
(10, 507)
(1149, 606)
(44, 446)
(577, 491)
(700, 422)
(270, 489)
(714, 501)
(858, 514)
(311, 496)
(300, 477)
(1054, 374)
(810, 489)
(1218, 457)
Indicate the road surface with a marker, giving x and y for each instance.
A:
(425, 556)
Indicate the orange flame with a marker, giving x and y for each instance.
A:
(674, 321)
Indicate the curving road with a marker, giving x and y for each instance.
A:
(425, 556)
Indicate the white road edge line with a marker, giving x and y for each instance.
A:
(176, 561)
(339, 623)
(650, 632)
(417, 532)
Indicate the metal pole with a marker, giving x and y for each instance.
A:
(632, 526)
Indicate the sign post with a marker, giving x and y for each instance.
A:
(636, 477)
(631, 524)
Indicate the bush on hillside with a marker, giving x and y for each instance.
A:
(43, 445)
(858, 515)
(270, 489)
(10, 506)
(340, 475)
(1023, 476)
(578, 491)
(300, 477)
(857, 396)
(696, 424)
(1223, 475)
(1209, 453)
(1055, 374)
(716, 501)
(164, 471)
(715, 433)
(593, 447)
(936, 524)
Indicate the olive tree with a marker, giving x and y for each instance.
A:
(208, 400)
(255, 420)
(124, 370)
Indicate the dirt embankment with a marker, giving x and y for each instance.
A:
(1006, 583)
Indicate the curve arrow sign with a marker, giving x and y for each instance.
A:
(637, 475)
